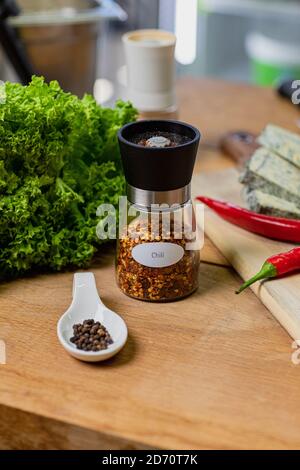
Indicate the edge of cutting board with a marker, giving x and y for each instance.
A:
(246, 251)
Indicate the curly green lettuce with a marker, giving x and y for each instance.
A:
(59, 160)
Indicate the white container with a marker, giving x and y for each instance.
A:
(151, 69)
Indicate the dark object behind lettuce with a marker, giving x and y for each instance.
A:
(59, 159)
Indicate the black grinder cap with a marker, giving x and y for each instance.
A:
(158, 169)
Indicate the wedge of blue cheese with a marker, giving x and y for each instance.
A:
(283, 142)
(267, 204)
(273, 175)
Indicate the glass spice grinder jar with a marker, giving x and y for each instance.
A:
(157, 255)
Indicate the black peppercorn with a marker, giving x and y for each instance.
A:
(91, 336)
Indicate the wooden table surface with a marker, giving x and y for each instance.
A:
(211, 371)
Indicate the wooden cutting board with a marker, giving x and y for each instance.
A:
(246, 251)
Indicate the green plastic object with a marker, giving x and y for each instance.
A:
(267, 74)
(272, 60)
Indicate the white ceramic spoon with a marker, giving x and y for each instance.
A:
(87, 304)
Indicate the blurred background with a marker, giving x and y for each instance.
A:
(79, 43)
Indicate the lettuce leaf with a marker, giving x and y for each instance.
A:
(59, 159)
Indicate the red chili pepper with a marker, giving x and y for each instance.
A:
(275, 266)
(278, 228)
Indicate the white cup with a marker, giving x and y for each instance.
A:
(150, 69)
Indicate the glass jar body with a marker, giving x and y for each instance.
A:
(157, 254)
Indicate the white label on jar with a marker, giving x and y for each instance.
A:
(157, 254)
